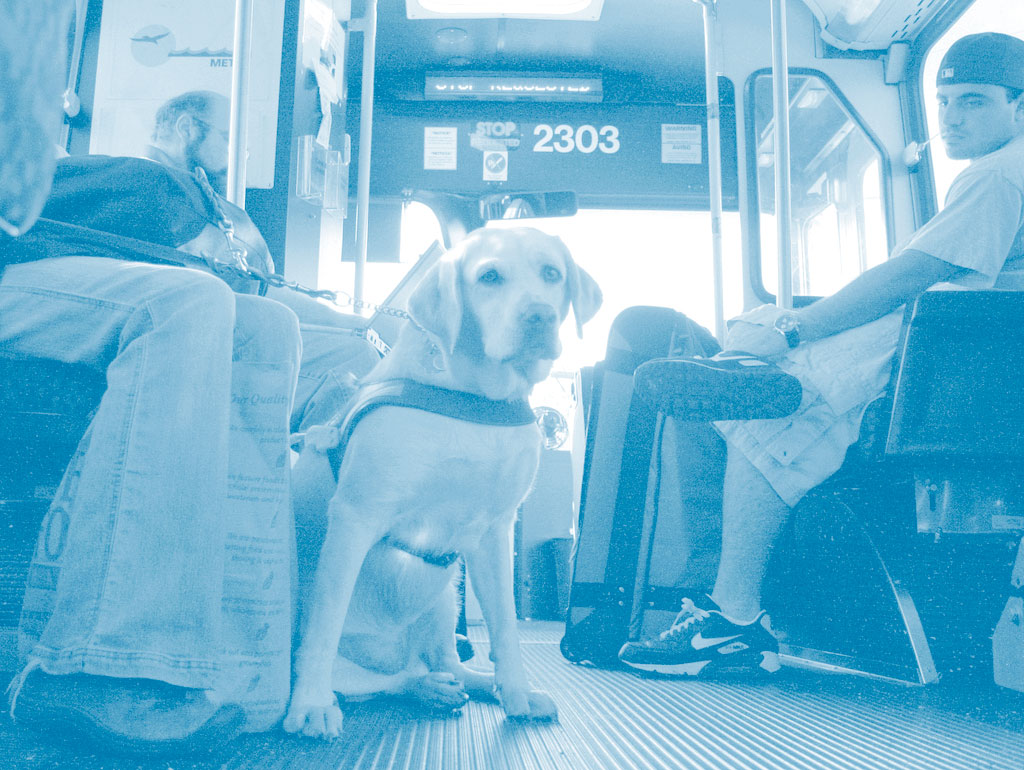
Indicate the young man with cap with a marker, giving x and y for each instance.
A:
(838, 352)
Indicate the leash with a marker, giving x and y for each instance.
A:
(236, 248)
(238, 266)
(50, 238)
(340, 299)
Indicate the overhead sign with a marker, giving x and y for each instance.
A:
(618, 153)
(512, 87)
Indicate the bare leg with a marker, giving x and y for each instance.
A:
(752, 517)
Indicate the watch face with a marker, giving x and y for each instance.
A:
(785, 323)
(788, 326)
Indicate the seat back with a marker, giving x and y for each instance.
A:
(958, 410)
(959, 391)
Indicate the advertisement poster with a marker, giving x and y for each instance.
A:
(152, 50)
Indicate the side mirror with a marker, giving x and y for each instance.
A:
(528, 205)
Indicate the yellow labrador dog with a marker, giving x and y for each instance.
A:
(415, 488)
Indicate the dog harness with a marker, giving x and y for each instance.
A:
(428, 398)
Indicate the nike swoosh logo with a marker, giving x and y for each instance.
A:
(699, 641)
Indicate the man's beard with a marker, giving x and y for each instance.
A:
(217, 179)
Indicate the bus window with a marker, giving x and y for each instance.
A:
(643, 257)
(837, 171)
(419, 229)
(874, 214)
(982, 16)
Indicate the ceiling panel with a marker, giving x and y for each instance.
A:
(653, 49)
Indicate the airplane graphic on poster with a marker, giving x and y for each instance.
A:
(153, 45)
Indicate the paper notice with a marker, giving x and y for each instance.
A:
(680, 143)
(440, 148)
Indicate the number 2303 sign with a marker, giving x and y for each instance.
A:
(585, 138)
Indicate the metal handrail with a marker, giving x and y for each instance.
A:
(783, 201)
(239, 109)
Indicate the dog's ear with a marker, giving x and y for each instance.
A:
(584, 294)
(435, 305)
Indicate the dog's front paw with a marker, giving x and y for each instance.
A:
(316, 716)
(527, 704)
(542, 708)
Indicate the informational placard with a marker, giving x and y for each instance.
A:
(440, 148)
(495, 165)
(152, 50)
(624, 153)
(680, 143)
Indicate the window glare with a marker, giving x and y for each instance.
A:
(420, 228)
(874, 215)
(660, 258)
(838, 212)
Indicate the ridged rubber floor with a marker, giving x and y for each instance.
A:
(613, 719)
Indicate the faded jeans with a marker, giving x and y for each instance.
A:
(168, 550)
(332, 358)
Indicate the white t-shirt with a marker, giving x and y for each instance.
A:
(981, 225)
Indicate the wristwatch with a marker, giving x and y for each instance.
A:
(788, 325)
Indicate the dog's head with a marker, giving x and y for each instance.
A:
(501, 295)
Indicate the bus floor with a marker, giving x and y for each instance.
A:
(797, 719)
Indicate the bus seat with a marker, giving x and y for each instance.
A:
(45, 408)
(958, 410)
(949, 441)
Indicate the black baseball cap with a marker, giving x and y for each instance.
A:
(989, 58)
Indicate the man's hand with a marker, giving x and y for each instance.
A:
(760, 341)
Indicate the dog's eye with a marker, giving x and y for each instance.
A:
(492, 276)
(551, 274)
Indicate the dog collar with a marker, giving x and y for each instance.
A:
(428, 398)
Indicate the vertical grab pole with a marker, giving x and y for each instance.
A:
(368, 26)
(239, 118)
(783, 207)
(72, 104)
(711, 70)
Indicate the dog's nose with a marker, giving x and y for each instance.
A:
(539, 315)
